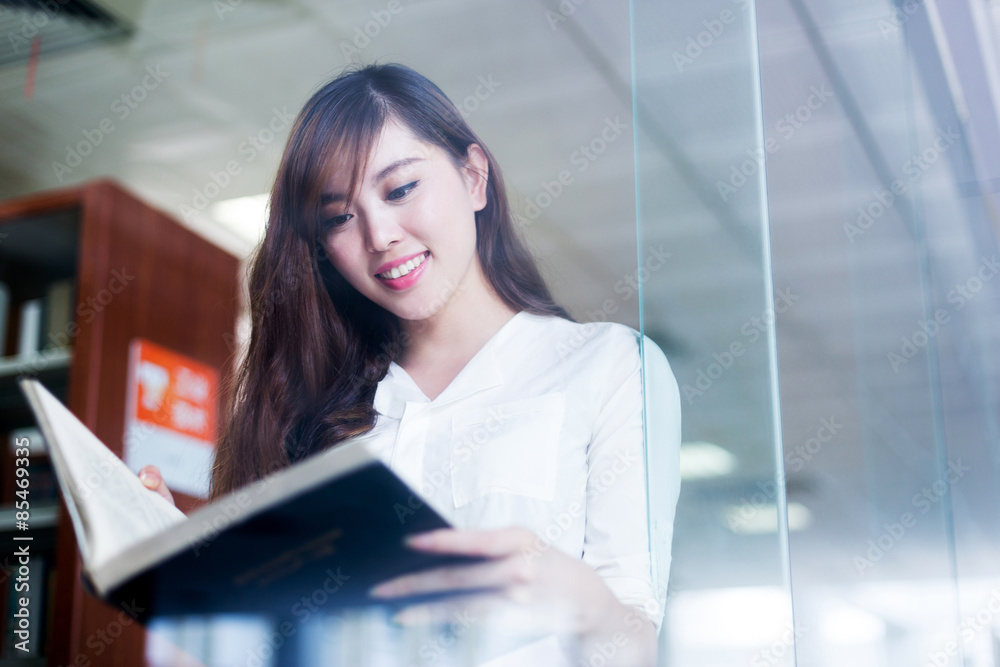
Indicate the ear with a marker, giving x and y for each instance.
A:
(476, 171)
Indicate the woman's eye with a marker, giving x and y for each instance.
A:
(337, 220)
(401, 192)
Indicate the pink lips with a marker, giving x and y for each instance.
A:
(409, 279)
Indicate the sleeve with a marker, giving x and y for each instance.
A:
(633, 479)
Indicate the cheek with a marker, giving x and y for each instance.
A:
(344, 260)
(448, 223)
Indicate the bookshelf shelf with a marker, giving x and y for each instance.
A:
(53, 359)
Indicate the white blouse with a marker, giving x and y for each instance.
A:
(543, 428)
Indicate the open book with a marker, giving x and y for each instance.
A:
(335, 521)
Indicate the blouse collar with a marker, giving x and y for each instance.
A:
(482, 372)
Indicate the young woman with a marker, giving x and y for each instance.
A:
(392, 291)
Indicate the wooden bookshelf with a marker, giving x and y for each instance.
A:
(180, 292)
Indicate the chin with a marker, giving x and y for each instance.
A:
(415, 315)
(415, 306)
(411, 312)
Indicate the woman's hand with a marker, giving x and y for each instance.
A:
(533, 575)
(152, 479)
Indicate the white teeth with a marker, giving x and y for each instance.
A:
(403, 269)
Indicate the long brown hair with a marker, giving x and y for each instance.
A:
(318, 348)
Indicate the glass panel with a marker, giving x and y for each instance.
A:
(711, 306)
(880, 222)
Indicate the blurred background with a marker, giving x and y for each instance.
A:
(796, 200)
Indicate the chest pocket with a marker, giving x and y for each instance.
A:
(507, 448)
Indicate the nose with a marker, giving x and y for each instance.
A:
(381, 231)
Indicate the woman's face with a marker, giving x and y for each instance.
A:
(408, 239)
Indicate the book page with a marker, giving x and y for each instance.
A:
(115, 508)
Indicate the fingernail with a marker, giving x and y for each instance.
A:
(419, 540)
(148, 479)
(380, 591)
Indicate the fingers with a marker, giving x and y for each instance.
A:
(497, 573)
(493, 543)
(152, 479)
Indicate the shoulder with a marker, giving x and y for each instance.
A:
(561, 341)
(611, 350)
(569, 337)
(579, 336)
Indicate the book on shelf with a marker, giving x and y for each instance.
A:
(4, 315)
(335, 521)
(58, 313)
(30, 337)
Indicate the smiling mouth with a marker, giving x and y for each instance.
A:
(403, 269)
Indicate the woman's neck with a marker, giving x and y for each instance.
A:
(436, 349)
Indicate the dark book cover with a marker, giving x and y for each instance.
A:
(340, 538)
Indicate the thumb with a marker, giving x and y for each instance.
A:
(152, 479)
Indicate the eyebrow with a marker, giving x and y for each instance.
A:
(379, 177)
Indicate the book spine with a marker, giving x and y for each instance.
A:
(58, 313)
(4, 315)
(31, 328)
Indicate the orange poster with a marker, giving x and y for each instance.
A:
(172, 415)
